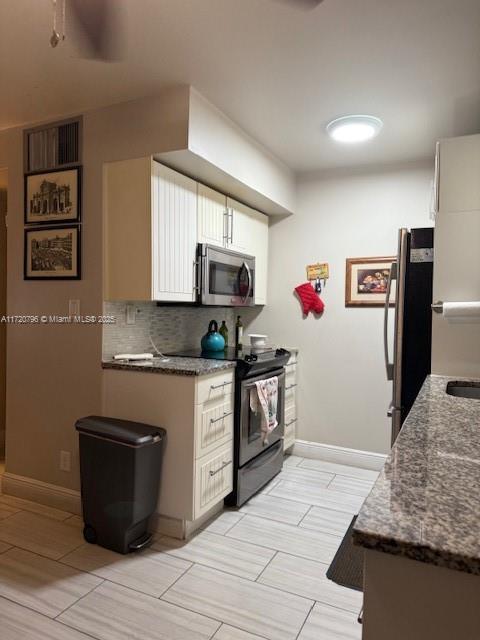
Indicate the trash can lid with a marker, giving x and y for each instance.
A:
(125, 431)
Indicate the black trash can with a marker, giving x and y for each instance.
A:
(120, 464)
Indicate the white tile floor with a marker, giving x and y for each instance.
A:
(251, 574)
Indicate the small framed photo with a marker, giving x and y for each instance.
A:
(366, 282)
(52, 253)
(53, 196)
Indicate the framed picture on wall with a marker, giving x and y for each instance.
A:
(53, 196)
(52, 253)
(366, 282)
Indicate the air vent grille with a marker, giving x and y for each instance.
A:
(54, 146)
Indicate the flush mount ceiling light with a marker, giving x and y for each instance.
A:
(352, 129)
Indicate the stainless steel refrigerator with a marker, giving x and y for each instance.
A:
(410, 286)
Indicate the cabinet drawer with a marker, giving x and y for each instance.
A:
(217, 387)
(289, 440)
(213, 425)
(213, 478)
(290, 392)
(292, 359)
(290, 425)
(290, 374)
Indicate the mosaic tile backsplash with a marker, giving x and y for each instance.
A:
(171, 328)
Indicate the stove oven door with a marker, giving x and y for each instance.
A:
(252, 440)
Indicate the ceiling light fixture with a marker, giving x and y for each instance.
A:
(352, 129)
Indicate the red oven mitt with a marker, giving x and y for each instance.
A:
(309, 299)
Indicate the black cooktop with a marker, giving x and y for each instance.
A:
(248, 359)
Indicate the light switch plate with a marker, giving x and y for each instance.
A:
(73, 308)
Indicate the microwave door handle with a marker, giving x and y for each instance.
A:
(388, 364)
(249, 275)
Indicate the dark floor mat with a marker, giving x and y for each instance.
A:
(347, 565)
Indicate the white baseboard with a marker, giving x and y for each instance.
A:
(69, 500)
(37, 491)
(339, 455)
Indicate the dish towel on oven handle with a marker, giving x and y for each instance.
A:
(264, 397)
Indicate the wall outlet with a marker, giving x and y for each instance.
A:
(131, 314)
(65, 461)
(73, 308)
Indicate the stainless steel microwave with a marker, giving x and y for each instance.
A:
(225, 278)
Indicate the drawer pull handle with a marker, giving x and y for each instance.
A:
(225, 415)
(291, 422)
(290, 386)
(219, 386)
(224, 464)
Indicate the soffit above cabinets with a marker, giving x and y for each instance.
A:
(221, 155)
(200, 169)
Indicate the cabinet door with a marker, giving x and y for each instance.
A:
(212, 217)
(239, 229)
(174, 235)
(248, 233)
(260, 251)
(458, 174)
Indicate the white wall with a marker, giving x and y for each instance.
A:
(343, 394)
(215, 138)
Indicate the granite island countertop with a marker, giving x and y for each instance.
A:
(425, 504)
(172, 365)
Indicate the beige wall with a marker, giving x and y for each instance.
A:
(53, 371)
(3, 301)
(343, 394)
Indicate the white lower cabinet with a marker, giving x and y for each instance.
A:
(213, 478)
(213, 441)
(197, 414)
(291, 418)
(213, 425)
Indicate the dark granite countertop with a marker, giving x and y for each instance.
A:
(425, 504)
(172, 365)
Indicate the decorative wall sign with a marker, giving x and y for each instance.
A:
(52, 253)
(53, 196)
(366, 282)
(319, 270)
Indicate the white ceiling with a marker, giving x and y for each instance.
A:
(281, 73)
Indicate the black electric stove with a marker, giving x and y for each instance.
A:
(249, 360)
(256, 459)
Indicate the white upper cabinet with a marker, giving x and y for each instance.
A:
(174, 235)
(458, 174)
(248, 233)
(150, 232)
(212, 216)
(154, 217)
(240, 228)
(224, 222)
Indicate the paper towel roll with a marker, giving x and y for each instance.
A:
(461, 310)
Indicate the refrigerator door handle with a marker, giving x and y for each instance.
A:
(388, 365)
